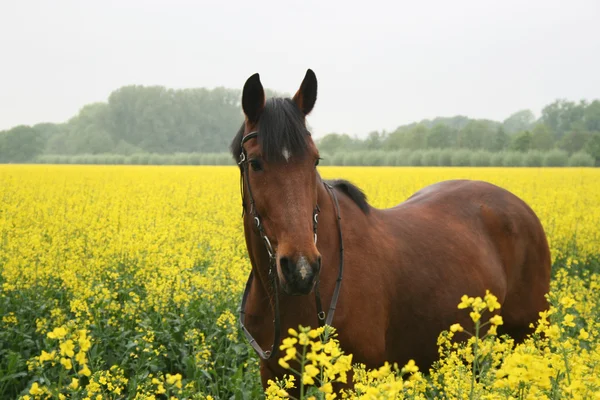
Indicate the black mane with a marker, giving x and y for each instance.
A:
(281, 127)
(352, 191)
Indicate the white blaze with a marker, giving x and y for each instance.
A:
(303, 266)
(286, 154)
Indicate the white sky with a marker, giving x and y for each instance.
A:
(379, 64)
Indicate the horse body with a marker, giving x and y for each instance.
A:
(405, 268)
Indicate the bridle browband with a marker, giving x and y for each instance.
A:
(323, 319)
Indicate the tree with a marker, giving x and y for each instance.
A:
(541, 137)
(519, 121)
(561, 115)
(477, 134)
(499, 140)
(20, 144)
(592, 116)
(374, 140)
(521, 141)
(592, 147)
(334, 142)
(574, 141)
(441, 136)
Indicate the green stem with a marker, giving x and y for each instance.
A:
(302, 363)
(475, 367)
(566, 365)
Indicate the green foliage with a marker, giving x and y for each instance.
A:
(593, 146)
(141, 124)
(20, 144)
(445, 158)
(581, 159)
(497, 159)
(521, 141)
(431, 157)
(556, 158)
(562, 116)
(534, 158)
(519, 121)
(541, 137)
(461, 158)
(481, 158)
(513, 159)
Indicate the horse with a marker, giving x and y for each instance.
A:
(405, 268)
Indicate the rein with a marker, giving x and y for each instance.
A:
(322, 317)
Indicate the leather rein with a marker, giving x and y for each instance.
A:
(322, 317)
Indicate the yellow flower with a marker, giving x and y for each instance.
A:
(456, 328)
(66, 362)
(289, 383)
(74, 384)
(496, 320)
(326, 388)
(583, 335)
(57, 333)
(465, 301)
(283, 363)
(475, 316)
(174, 380)
(160, 389)
(85, 371)
(292, 332)
(81, 358)
(67, 348)
(411, 367)
(288, 343)
(491, 301)
(568, 321)
(36, 389)
(47, 356)
(310, 371)
(302, 339)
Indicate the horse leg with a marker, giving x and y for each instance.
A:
(526, 299)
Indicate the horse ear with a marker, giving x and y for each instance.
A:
(253, 98)
(306, 96)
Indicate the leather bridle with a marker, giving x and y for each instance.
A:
(323, 319)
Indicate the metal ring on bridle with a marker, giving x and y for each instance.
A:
(268, 246)
(257, 220)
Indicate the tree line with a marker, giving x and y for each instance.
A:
(154, 120)
(563, 125)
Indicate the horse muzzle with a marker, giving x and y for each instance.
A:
(300, 275)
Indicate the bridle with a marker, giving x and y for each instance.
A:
(323, 319)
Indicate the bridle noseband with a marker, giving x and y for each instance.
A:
(244, 180)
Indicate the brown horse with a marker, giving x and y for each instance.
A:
(405, 268)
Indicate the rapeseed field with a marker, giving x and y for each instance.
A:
(124, 281)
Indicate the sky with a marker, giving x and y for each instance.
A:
(378, 64)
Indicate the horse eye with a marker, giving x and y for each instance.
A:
(256, 166)
(317, 162)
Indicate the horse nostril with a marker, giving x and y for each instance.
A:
(284, 262)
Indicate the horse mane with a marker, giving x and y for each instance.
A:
(352, 191)
(281, 127)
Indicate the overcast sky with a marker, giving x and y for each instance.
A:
(379, 64)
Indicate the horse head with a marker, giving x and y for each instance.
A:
(278, 160)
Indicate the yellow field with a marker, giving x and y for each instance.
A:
(123, 282)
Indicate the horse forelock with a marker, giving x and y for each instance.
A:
(281, 129)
